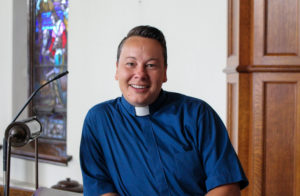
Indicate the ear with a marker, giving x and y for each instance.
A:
(116, 74)
(165, 74)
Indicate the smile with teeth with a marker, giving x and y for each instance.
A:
(138, 86)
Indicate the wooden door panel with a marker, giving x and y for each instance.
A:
(276, 134)
(276, 32)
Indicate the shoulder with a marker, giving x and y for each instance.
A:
(190, 107)
(182, 100)
(102, 109)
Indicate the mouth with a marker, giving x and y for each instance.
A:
(139, 86)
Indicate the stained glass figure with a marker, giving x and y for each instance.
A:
(49, 59)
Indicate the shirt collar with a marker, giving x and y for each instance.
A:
(144, 111)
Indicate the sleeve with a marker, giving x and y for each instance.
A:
(96, 177)
(220, 160)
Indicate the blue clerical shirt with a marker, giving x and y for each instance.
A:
(180, 148)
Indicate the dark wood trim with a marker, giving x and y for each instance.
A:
(53, 151)
(30, 22)
(62, 161)
(261, 68)
(17, 191)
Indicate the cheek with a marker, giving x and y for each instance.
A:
(124, 77)
(158, 78)
(121, 74)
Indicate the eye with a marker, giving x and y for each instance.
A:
(130, 64)
(150, 65)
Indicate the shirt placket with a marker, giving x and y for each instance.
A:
(155, 159)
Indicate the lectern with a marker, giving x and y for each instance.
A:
(51, 192)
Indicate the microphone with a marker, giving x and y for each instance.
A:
(58, 76)
(20, 133)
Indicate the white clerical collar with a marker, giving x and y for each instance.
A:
(142, 111)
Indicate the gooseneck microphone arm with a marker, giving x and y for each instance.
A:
(6, 141)
(36, 91)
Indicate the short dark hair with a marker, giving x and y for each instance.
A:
(147, 32)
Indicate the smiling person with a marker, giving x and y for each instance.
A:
(153, 142)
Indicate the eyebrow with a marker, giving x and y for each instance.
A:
(130, 57)
(151, 59)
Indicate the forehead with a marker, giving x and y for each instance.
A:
(137, 44)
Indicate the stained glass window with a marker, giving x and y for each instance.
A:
(50, 58)
(48, 49)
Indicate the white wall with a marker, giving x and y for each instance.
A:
(196, 39)
(5, 67)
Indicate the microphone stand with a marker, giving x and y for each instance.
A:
(7, 177)
(7, 142)
(36, 145)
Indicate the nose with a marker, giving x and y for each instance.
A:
(140, 72)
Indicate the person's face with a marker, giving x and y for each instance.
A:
(140, 70)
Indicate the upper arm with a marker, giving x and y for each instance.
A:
(225, 190)
(110, 194)
(220, 161)
(96, 176)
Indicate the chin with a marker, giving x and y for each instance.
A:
(139, 103)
